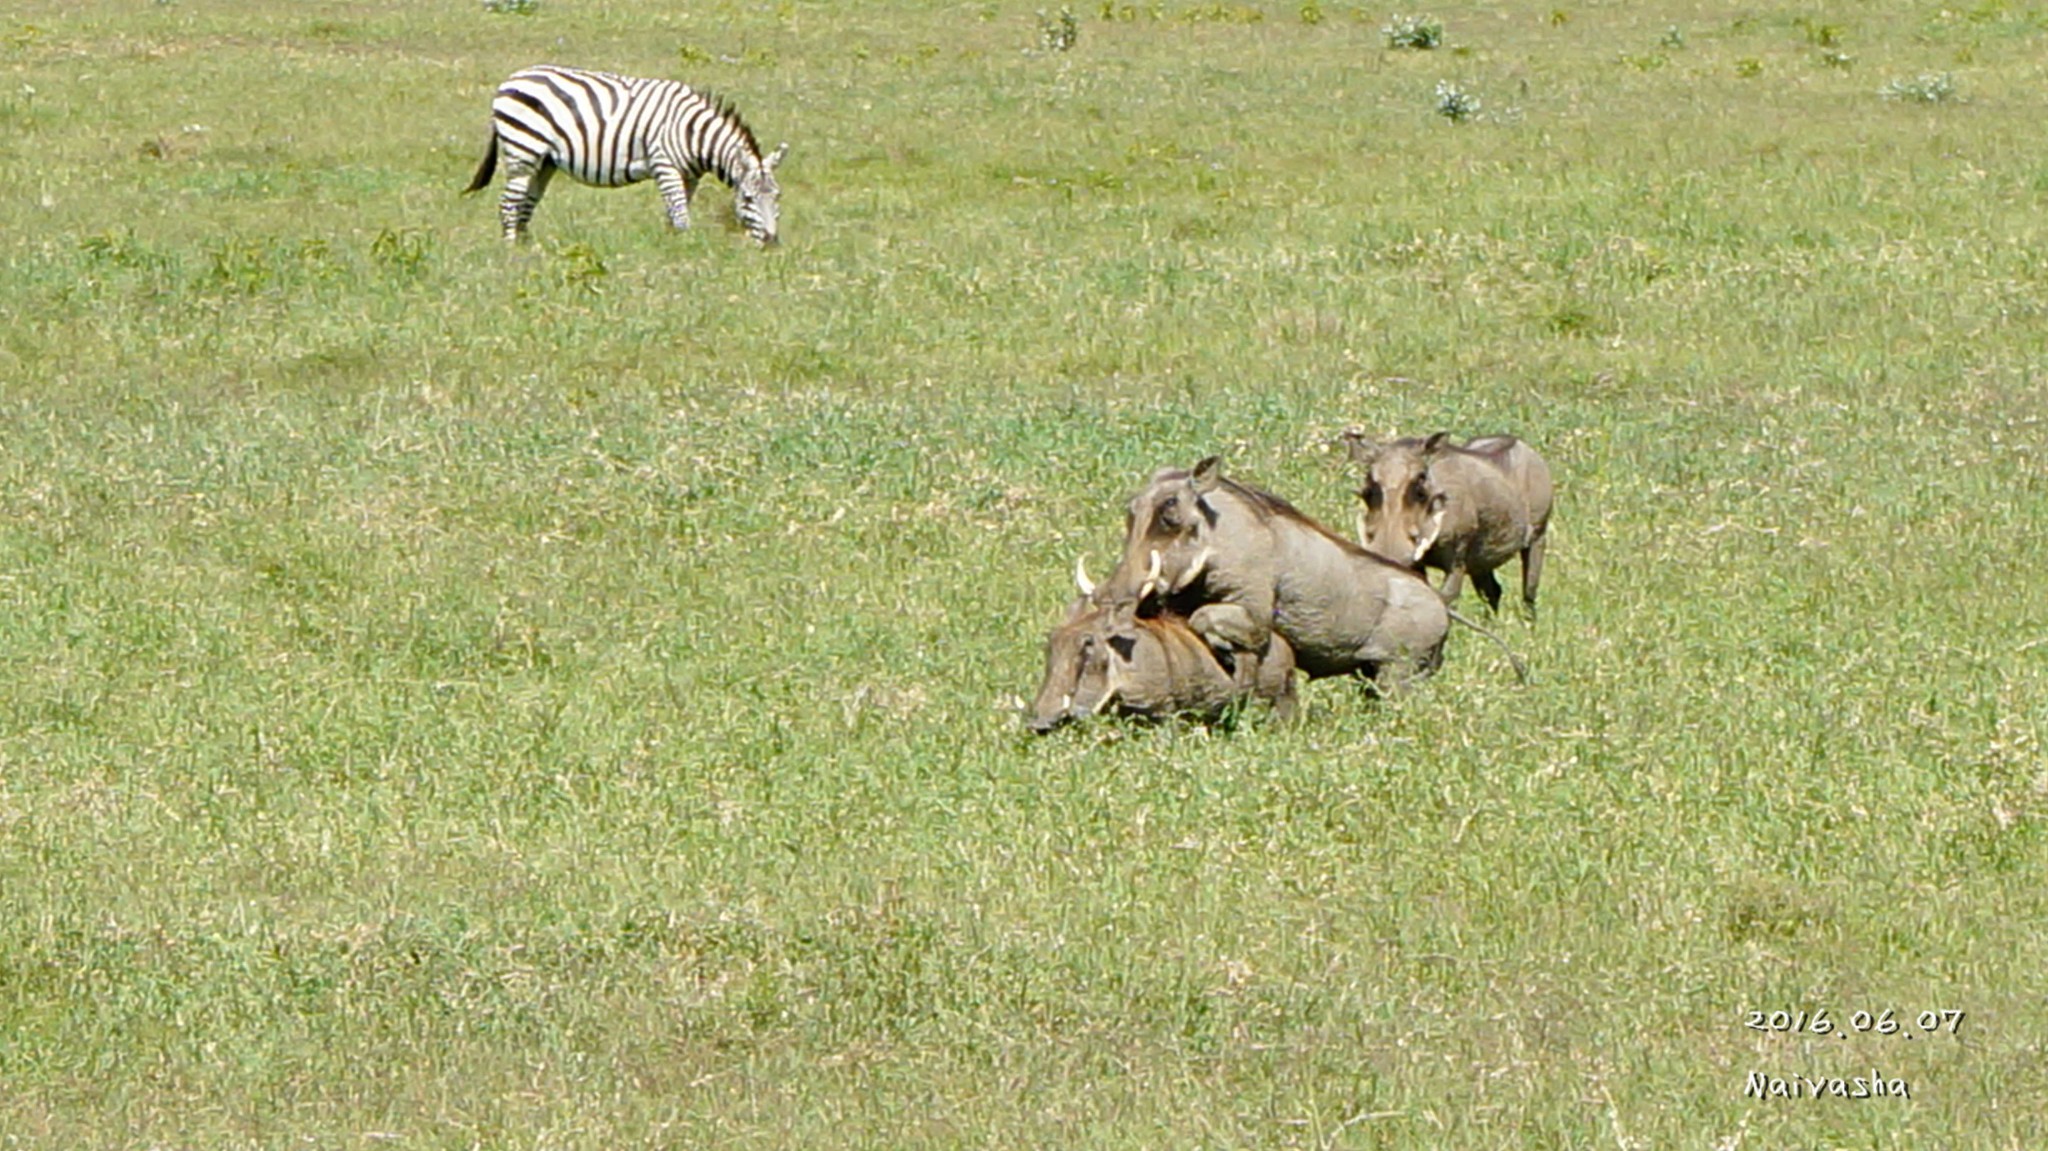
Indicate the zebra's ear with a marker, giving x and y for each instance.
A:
(775, 157)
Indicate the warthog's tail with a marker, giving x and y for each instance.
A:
(1521, 669)
(488, 168)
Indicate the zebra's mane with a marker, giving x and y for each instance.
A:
(730, 114)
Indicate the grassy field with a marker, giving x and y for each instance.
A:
(566, 697)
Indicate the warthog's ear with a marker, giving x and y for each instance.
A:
(1363, 451)
(1435, 444)
(1208, 475)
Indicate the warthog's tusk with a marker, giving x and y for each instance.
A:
(1195, 569)
(1112, 684)
(1427, 539)
(1151, 583)
(1081, 579)
(1361, 529)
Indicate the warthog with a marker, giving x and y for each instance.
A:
(1108, 657)
(1462, 510)
(1244, 564)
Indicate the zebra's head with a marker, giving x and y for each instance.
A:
(757, 198)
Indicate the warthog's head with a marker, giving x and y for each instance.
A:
(1169, 532)
(1085, 658)
(1404, 508)
(757, 198)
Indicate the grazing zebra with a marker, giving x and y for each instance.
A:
(610, 130)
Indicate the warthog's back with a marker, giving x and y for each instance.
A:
(1521, 469)
(1105, 657)
(1173, 672)
(1346, 610)
(1531, 476)
(1181, 675)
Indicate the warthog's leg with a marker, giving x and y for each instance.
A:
(1532, 570)
(1286, 705)
(1392, 677)
(1405, 668)
(1382, 678)
(1228, 624)
(1453, 585)
(1276, 678)
(1489, 588)
(1236, 637)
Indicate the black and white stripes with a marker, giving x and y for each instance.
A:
(610, 130)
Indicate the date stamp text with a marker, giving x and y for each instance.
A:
(1820, 1021)
(1871, 1026)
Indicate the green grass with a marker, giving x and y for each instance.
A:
(453, 696)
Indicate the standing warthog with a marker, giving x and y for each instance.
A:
(1462, 510)
(1243, 564)
(1108, 657)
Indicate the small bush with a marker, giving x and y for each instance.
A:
(1926, 88)
(1222, 14)
(1421, 33)
(240, 267)
(1573, 321)
(1454, 103)
(1058, 33)
(1820, 35)
(512, 7)
(403, 251)
(120, 250)
(583, 267)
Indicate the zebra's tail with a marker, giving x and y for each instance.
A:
(487, 169)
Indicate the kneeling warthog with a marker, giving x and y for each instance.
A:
(1462, 510)
(1107, 657)
(1244, 564)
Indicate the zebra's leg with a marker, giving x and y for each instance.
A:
(676, 189)
(524, 185)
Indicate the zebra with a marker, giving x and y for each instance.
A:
(609, 130)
